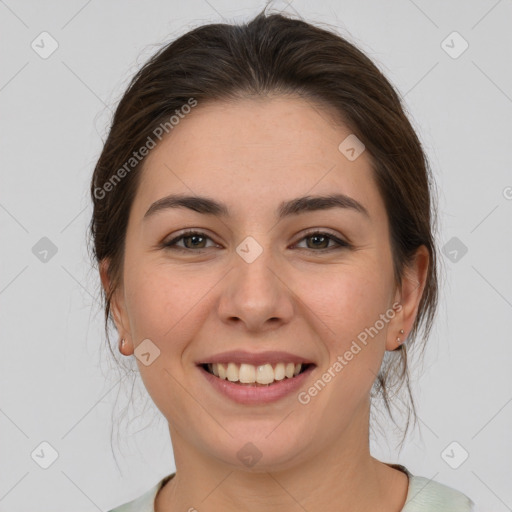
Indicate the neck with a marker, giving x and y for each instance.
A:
(342, 472)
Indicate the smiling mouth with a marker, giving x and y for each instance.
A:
(251, 375)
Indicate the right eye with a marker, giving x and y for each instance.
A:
(191, 239)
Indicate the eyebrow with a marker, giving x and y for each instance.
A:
(208, 206)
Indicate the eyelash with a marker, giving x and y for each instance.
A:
(342, 244)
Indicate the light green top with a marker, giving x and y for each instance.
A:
(423, 495)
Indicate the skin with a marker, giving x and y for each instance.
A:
(253, 154)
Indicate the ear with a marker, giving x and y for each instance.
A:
(408, 297)
(117, 308)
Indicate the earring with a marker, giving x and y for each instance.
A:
(398, 340)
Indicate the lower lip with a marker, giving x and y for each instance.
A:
(244, 394)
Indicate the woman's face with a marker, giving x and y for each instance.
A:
(257, 279)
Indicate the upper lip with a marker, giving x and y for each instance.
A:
(256, 359)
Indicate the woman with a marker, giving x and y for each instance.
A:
(263, 228)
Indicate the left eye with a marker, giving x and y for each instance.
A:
(321, 238)
(196, 240)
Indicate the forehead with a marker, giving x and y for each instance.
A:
(247, 152)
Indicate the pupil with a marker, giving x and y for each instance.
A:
(317, 237)
(194, 238)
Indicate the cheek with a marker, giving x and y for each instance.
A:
(163, 306)
(347, 299)
(150, 296)
(340, 303)
(168, 305)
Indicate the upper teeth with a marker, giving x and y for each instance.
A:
(248, 373)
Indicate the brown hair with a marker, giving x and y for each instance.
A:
(276, 54)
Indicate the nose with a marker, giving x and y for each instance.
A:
(256, 294)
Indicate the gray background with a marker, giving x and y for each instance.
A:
(57, 385)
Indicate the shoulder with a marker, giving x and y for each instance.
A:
(426, 495)
(146, 502)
